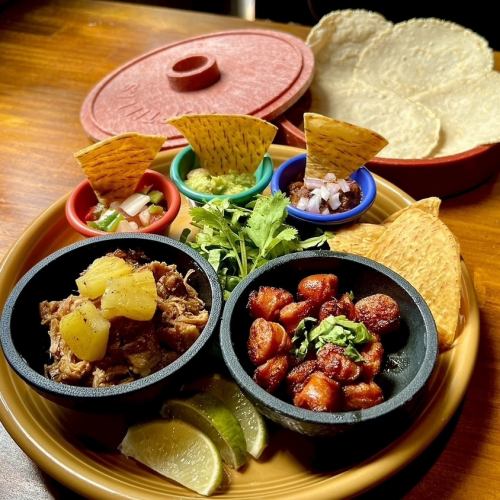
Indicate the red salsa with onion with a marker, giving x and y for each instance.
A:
(325, 196)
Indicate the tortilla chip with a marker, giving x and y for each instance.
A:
(357, 239)
(226, 142)
(420, 247)
(337, 147)
(115, 166)
(428, 205)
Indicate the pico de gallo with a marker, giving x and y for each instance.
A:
(137, 211)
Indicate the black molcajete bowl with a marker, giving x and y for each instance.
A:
(410, 353)
(25, 341)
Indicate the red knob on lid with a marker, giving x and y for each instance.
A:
(193, 72)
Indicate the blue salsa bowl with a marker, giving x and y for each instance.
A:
(294, 168)
(187, 160)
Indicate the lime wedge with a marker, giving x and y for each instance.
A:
(178, 451)
(251, 421)
(211, 416)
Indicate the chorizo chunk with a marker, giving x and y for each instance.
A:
(379, 312)
(270, 374)
(292, 314)
(266, 340)
(333, 362)
(268, 302)
(362, 395)
(343, 306)
(318, 287)
(372, 354)
(297, 376)
(320, 393)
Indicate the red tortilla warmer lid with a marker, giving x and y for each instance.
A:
(254, 72)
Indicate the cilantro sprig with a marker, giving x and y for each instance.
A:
(336, 330)
(237, 240)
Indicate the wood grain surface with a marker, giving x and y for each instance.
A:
(51, 55)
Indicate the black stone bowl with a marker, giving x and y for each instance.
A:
(25, 341)
(410, 353)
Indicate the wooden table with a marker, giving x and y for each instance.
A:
(51, 55)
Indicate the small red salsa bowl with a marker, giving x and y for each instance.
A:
(83, 198)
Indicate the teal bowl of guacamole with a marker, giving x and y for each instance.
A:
(197, 184)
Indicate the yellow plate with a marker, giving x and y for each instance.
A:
(61, 441)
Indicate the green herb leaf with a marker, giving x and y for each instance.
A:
(351, 352)
(336, 330)
(245, 238)
(300, 338)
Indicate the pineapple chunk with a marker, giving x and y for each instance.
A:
(94, 280)
(133, 296)
(86, 332)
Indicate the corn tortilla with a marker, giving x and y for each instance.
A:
(419, 247)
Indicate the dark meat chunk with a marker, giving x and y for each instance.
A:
(318, 287)
(297, 376)
(268, 302)
(180, 336)
(319, 393)
(351, 198)
(296, 191)
(134, 257)
(362, 395)
(270, 374)
(292, 314)
(379, 312)
(171, 284)
(266, 340)
(336, 307)
(372, 355)
(333, 362)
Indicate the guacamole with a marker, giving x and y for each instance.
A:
(231, 183)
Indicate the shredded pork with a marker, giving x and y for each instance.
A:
(135, 348)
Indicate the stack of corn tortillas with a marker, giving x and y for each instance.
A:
(426, 85)
(416, 244)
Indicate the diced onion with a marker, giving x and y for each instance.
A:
(330, 177)
(114, 204)
(312, 183)
(344, 186)
(302, 203)
(313, 204)
(134, 203)
(125, 227)
(144, 217)
(134, 225)
(325, 193)
(333, 187)
(334, 201)
(325, 211)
